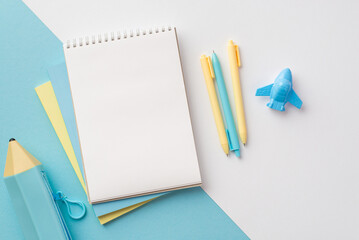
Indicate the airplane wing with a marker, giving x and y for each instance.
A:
(295, 100)
(264, 91)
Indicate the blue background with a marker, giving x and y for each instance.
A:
(27, 49)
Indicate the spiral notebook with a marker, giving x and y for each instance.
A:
(132, 114)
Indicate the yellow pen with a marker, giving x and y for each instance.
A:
(209, 76)
(235, 63)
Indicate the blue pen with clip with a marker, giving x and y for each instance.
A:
(228, 116)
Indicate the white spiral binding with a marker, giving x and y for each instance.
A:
(113, 36)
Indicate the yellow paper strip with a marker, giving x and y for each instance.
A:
(113, 215)
(48, 100)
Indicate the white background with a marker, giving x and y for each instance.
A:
(298, 177)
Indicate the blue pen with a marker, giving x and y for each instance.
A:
(228, 116)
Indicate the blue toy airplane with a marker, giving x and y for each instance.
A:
(281, 92)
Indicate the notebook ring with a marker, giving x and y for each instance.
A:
(113, 36)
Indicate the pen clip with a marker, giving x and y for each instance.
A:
(210, 67)
(237, 56)
(229, 140)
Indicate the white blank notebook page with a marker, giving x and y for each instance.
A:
(132, 115)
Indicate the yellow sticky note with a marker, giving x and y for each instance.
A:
(48, 100)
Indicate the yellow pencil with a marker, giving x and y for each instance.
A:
(235, 63)
(208, 76)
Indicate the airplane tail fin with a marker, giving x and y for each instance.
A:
(276, 105)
